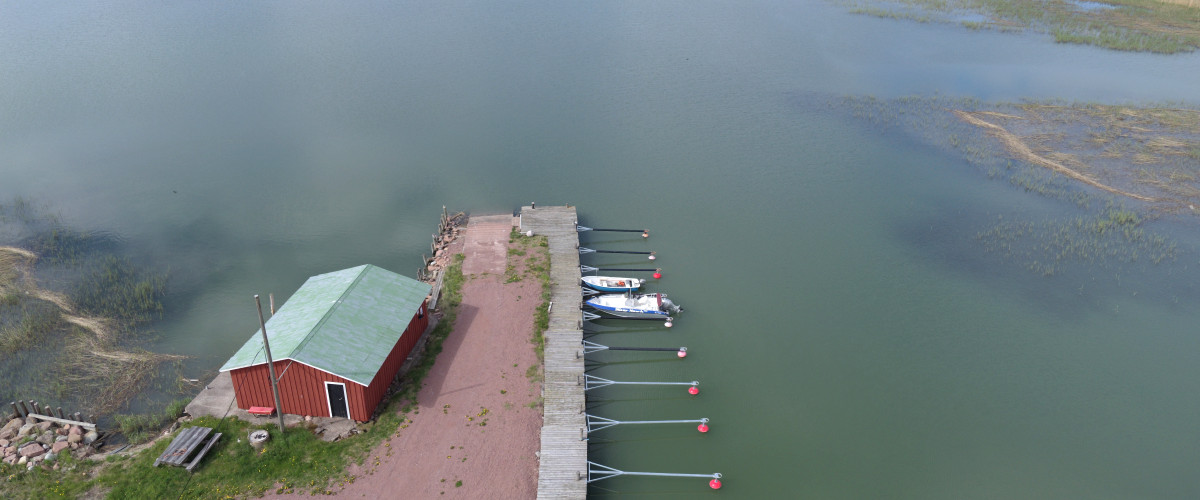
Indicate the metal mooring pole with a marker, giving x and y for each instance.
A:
(270, 363)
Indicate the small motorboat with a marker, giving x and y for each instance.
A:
(645, 305)
(611, 284)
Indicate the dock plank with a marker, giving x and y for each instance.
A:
(563, 454)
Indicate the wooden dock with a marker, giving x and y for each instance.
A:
(563, 467)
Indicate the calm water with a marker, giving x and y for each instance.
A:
(851, 338)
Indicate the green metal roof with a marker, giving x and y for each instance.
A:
(345, 322)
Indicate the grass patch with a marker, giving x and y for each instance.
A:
(536, 265)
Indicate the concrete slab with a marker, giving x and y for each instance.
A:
(486, 245)
(215, 399)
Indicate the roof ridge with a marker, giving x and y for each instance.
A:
(309, 336)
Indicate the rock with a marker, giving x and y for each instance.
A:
(44, 426)
(308, 418)
(61, 431)
(10, 450)
(74, 439)
(60, 438)
(31, 450)
(90, 437)
(47, 438)
(9, 431)
(59, 447)
(75, 431)
(25, 430)
(30, 420)
(49, 457)
(22, 460)
(74, 446)
(4, 443)
(10, 460)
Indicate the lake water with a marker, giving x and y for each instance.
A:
(852, 338)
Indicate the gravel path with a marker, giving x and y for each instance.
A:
(476, 431)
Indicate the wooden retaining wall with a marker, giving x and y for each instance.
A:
(563, 467)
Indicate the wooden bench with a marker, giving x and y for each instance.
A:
(262, 411)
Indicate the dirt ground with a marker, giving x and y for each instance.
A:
(476, 431)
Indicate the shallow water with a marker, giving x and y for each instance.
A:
(851, 337)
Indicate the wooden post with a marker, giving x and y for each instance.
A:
(271, 298)
(91, 419)
(58, 412)
(16, 412)
(37, 408)
(77, 417)
(24, 409)
(270, 364)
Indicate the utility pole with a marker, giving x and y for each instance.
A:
(270, 363)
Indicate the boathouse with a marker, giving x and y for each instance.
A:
(337, 344)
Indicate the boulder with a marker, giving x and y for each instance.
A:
(30, 420)
(74, 438)
(4, 443)
(11, 459)
(10, 428)
(22, 460)
(47, 438)
(49, 457)
(90, 437)
(75, 431)
(61, 431)
(44, 426)
(32, 450)
(26, 430)
(59, 446)
(60, 438)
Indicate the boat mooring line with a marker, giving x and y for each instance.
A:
(597, 472)
(590, 347)
(645, 232)
(658, 272)
(585, 250)
(595, 423)
(590, 382)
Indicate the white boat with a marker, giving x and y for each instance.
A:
(646, 305)
(612, 284)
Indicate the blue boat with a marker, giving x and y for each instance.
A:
(646, 305)
(611, 284)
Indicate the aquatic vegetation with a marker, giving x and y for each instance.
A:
(1132, 25)
(82, 340)
(1087, 155)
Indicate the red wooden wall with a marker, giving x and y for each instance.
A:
(302, 387)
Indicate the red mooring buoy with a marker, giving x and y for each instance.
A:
(715, 484)
(667, 323)
(682, 353)
(702, 427)
(657, 274)
(693, 390)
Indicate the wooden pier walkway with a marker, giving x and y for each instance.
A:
(564, 453)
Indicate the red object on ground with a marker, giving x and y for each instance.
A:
(264, 411)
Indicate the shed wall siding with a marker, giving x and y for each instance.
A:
(302, 387)
(383, 378)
